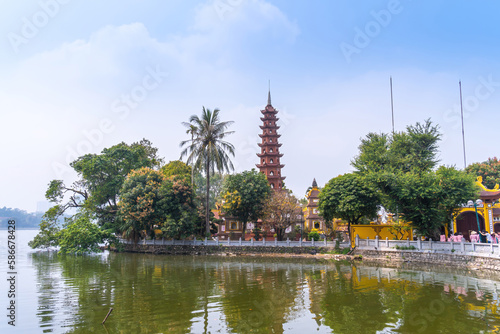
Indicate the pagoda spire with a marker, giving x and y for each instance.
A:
(269, 94)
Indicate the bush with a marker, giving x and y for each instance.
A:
(314, 234)
(257, 233)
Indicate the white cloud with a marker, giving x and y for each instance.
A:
(54, 97)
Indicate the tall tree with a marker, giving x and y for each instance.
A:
(245, 195)
(207, 149)
(149, 200)
(348, 197)
(429, 200)
(489, 170)
(282, 210)
(414, 150)
(101, 177)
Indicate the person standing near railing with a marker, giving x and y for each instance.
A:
(474, 237)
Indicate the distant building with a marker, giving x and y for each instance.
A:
(311, 211)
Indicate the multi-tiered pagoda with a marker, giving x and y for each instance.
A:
(270, 155)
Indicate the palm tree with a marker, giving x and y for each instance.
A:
(207, 149)
(191, 130)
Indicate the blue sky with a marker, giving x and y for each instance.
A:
(68, 65)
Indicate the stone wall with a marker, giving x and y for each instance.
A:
(390, 258)
(221, 249)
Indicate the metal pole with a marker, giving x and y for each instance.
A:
(392, 107)
(477, 219)
(462, 115)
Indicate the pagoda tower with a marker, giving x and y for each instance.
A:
(270, 155)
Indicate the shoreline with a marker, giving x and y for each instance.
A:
(393, 258)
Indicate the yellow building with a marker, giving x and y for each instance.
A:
(488, 212)
(311, 211)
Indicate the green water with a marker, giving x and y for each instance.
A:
(184, 294)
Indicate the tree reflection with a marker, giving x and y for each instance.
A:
(347, 309)
(259, 298)
(147, 294)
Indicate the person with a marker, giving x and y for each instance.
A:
(483, 236)
(442, 238)
(488, 238)
(494, 238)
(461, 237)
(474, 237)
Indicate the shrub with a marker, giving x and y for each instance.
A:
(314, 234)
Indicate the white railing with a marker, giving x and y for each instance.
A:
(252, 242)
(464, 248)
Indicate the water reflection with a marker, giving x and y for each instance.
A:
(160, 294)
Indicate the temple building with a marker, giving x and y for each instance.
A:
(270, 155)
(311, 213)
(488, 212)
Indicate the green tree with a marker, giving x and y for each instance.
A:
(348, 197)
(207, 148)
(149, 200)
(412, 151)
(429, 201)
(177, 170)
(489, 170)
(401, 166)
(81, 235)
(101, 177)
(245, 195)
(49, 229)
(281, 211)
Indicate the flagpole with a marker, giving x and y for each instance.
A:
(462, 116)
(392, 106)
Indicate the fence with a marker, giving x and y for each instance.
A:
(466, 248)
(252, 242)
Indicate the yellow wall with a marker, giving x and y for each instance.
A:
(371, 231)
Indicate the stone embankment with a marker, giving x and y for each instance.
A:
(392, 258)
(221, 250)
(398, 257)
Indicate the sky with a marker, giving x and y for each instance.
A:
(79, 76)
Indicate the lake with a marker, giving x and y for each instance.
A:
(196, 294)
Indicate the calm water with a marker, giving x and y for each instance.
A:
(164, 294)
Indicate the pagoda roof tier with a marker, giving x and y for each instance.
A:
(270, 165)
(313, 216)
(276, 177)
(269, 111)
(269, 144)
(264, 127)
(274, 135)
(269, 119)
(267, 154)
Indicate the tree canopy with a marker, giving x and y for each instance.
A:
(81, 235)
(412, 151)
(402, 168)
(489, 170)
(348, 197)
(149, 201)
(245, 195)
(101, 177)
(281, 211)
